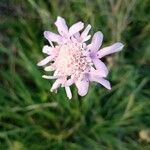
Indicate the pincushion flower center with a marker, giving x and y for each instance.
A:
(71, 60)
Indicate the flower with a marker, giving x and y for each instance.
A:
(72, 60)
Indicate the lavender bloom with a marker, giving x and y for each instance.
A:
(73, 61)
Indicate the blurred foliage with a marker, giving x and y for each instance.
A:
(33, 118)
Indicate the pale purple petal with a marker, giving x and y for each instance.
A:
(47, 50)
(84, 35)
(86, 31)
(45, 61)
(86, 38)
(55, 73)
(49, 77)
(69, 82)
(61, 25)
(98, 73)
(74, 39)
(96, 41)
(102, 81)
(49, 68)
(110, 49)
(76, 28)
(100, 66)
(82, 87)
(50, 36)
(68, 92)
(77, 36)
(56, 84)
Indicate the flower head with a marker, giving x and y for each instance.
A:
(72, 60)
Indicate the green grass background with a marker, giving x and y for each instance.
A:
(32, 118)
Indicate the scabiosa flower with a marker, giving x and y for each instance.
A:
(72, 60)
